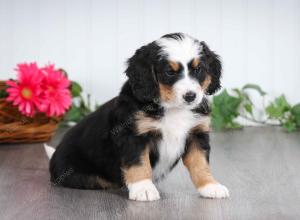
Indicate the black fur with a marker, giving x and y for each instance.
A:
(175, 36)
(202, 142)
(211, 63)
(106, 141)
(102, 143)
(142, 74)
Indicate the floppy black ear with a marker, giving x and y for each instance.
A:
(142, 73)
(213, 67)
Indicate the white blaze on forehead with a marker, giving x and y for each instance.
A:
(180, 50)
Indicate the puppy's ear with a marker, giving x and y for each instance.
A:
(142, 73)
(213, 67)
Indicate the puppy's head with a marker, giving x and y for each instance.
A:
(177, 70)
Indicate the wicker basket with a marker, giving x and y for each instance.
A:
(17, 128)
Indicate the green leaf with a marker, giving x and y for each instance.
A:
(242, 95)
(248, 108)
(254, 87)
(278, 108)
(217, 119)
(225, 110)
(63, 72)
(3, 93)
(76, 89)
(290, 126)
(296, 113)
(74, 114)
(234, 125)
(238, 92)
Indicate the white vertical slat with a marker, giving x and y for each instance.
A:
(259, 43)
(284, 52)
(105, 75)
(233, 35)
(296, 76)
(6, 28)
(91, 39)
(53, 32)
(129, 33)
(76, 44)
(181, 16)
(207, 22)
(25, 36)
(156, 19)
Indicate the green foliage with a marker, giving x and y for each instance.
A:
(80, 108)
(287, 115)
(77, 112)
(76, 89)
(3, 94)
(278, 108)
(226, 108)
(296, 113)
(254, 87)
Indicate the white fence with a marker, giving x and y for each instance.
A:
(257, 39)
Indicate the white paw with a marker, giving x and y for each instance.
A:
(214, 190)
(143, 190)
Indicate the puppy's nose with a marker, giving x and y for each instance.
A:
(189, 96)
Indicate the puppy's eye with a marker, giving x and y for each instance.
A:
(170, 73)
(197, 73)
(196, 68)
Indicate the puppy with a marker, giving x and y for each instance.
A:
(160, 116)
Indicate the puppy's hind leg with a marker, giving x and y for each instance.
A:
(71, 179)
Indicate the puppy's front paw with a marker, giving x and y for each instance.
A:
(214, 190)
(143, 190)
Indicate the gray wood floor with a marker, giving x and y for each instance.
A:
(260, 166)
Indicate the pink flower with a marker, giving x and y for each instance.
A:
(56, 91)
(39, 89)
(26, 93)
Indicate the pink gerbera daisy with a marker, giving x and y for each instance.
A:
(25, 93)
(56, 90)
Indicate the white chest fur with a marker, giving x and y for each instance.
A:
(174, 127)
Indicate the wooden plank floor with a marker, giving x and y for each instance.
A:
(260, 166)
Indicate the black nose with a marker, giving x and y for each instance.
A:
(189, 96)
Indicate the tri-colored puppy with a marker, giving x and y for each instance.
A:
(160, 116)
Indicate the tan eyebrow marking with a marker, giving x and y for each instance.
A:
(174, 65)
(196, 62)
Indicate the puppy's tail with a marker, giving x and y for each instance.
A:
(49, 150)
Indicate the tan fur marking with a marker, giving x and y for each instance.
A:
(205, 84)
(145, 124)
(139, 172)
(195, 63)
(174, 65)
(198, 167)
(166, 92)
(203, 126)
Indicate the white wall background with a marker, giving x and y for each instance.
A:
(257, 39)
